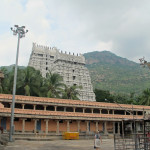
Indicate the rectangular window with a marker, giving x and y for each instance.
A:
(41, 55)
(51, 56)
(28, 120)
(16, 119)
(74, 77)
(61, 121)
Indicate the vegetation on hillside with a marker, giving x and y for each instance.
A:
(116, 74)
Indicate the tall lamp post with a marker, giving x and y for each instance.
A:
(20, 31)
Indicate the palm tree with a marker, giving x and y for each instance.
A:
(71, 92)
(1, 78)
(53, 85)
(7, 83)
(145, 98)
(29, 82)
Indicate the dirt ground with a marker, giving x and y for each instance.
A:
(57, 145)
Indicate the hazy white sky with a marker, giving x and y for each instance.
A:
(79, 26)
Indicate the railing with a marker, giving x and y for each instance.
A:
(132, 142)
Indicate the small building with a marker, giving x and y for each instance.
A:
(55, 116)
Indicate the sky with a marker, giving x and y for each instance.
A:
(76, 26)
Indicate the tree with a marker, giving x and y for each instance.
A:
(53, 85)
(145, 97)
(29, 82)
(1, 78)
(102, 96)
(7, 83)
(71, 92)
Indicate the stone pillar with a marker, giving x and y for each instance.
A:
(34, 107)
(108, 111)
(55, 108)
(23, 106)
(68, 126)
(122, 123)
(132, 127)
(74, 109)
(125, 113)
(100, 111)
(92, 110)
(64, 109)
(114, 128)
(143, 113)
(87, 126)
(46, 128)
(57, 130)
(83, 110)
(143, 127)
(105, 127)
(78, 126)
(119, 128)
(136, 112)
(137, 125)
(0, 131)
(113, 112)
(96, 126)
(45, 107)
(23, 125)
(35, 124)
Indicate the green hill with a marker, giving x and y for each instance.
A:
(9, 68)
(116, 74)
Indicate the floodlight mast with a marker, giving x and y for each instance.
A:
(21, 33)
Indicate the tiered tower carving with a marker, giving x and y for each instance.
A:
(70, 67)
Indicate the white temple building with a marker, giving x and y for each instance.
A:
(70, 67)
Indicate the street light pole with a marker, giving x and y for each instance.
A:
(21, 33)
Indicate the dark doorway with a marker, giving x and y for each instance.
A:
(3, 123)
(38, 125)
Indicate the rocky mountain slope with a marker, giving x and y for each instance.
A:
(116, 74)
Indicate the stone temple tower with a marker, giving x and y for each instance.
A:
(70, 67)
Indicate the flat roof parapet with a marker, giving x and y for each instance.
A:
(73, 102)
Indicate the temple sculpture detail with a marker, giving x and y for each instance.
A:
(70, 67)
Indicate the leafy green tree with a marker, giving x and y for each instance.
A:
(29, 82)
(71, 92)
(7, 83)
(53, 85)
(103, 96)
(1, 78)
(132, 99)
(120, 98)
(144, 99)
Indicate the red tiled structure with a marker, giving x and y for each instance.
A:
(50, 115)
